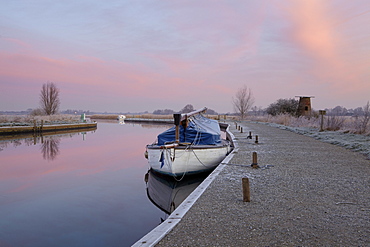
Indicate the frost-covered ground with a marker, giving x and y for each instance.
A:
(27, 120)
(354, 142)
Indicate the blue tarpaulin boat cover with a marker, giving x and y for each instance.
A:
(200, 131)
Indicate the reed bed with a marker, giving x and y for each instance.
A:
(345, 124)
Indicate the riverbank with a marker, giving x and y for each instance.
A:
(305, 193)
(41, 128)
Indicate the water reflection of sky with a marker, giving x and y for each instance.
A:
(91, 193)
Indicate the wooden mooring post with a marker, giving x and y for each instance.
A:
(322, 113)
(246, 190)
(250, 135)
(256, 139)
(254, 160)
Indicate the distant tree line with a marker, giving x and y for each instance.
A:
(280, 106)
(290, 106)
(186, 109)
(342, 111)
(163, 112)
(242, 102)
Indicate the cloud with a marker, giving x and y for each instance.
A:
(145, 55)
(92, 78)
(315, 29)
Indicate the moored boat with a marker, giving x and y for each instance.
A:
(121, 117)
(193, 145)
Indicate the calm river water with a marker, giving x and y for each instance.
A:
(78, 189)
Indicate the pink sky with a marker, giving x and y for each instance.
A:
(133, 56)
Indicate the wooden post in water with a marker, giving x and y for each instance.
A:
(241, 129)
(246, 190)
(256, 139)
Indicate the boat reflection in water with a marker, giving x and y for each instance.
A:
(167, 192)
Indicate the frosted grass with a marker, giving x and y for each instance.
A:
(355, 142)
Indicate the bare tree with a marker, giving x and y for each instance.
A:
(49, 98)
(363, 121)
(243, 101)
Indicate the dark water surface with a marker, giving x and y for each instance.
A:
(78, 189)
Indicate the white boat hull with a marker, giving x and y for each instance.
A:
(186, 159)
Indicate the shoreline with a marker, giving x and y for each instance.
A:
(39, 129)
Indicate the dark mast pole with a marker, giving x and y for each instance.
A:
(177, 119)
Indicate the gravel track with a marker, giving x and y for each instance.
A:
(305, 193)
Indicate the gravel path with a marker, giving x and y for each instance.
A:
(305, 193)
